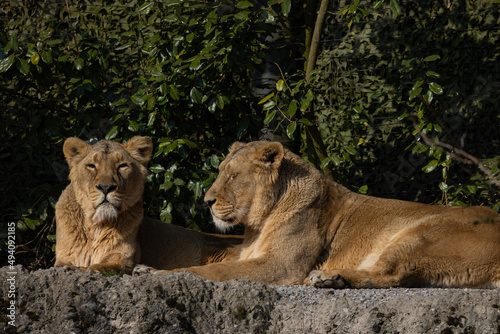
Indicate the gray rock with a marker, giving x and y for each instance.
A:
(57, 300)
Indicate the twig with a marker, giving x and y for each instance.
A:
(460, 155)
(69, 12)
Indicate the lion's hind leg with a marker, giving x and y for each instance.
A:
(437, 256)
(391, 266)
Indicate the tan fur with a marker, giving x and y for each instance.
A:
(99, 214)
(301, 227)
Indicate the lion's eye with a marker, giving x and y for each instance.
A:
(91, 166)
(232, 176)
(122, 166)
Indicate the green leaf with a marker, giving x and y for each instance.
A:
(214, 161)
(436, 88)
(174, 93)
(173, 2)
(472, 189)
(305, 121)
(156, 168)
(432, 74)
(151, 119)
(325, 162)
(430, 166)
(24, 66)
(196, 95)
(195, 63)
(363, 189)
(351, 150)
(286, 5)
(378, 4)
(51, 237)
(403, 116)
(79, 62)
(145, 6)
(138, 99)
(420, 111)
(266, 98)
(6, 63)
(290, 129)
(47, 56)
(428, 96)
(280, 85)
(269, 116)
(396, 9)
(133, 126)
(219, 101)
(432, 58)
(187, 142)
(165, 214)
(292, 108)
(443, 186)
(21, 226)
(112, 133)
(151, 102)
(31, 223)
(244, 4)
(417, 84)
(243, 15)
(335, 160)
(268, 105)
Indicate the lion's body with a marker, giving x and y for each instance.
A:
(99, 214)
(167, 246)
(301, 227)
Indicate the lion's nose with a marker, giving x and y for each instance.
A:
(210, 201)
(106, 188)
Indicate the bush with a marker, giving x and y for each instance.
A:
(388, 82)
(178, 72)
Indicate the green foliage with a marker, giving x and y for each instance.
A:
(177, 71)
(387, 79)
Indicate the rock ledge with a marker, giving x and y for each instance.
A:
(62, 301)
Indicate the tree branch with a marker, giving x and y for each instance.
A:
(460, 155)
(313, 50)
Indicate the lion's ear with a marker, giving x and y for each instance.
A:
(236, 145)
(140, 148)
(270, 155)
(75, 150)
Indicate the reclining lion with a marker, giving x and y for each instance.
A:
(99, 215)
(301, 227)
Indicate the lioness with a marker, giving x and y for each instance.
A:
(301, 227)
(99, 214)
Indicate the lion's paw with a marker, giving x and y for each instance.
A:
(320, 279)
(142, 269)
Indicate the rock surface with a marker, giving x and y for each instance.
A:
(65, 301)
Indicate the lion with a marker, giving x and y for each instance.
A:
(99, 216)
(303, 228)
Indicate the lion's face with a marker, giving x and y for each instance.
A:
(248, 170)
(108, 177)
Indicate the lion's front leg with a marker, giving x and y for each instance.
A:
(113, 263)
(257, 270)
(142, 269)
(348, 278)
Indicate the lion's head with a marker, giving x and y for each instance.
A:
(108, 178)
(244, 187)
